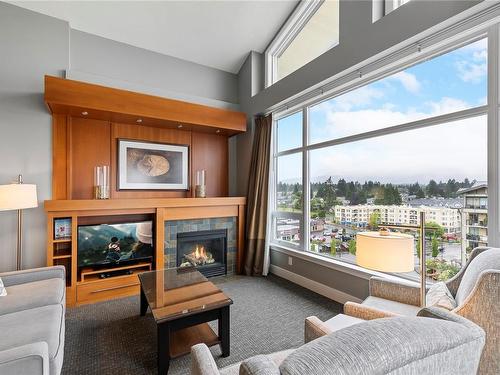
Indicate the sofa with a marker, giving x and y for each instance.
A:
(436, 342)
(32, 321)
(476, 290)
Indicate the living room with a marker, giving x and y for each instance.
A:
(205, 187)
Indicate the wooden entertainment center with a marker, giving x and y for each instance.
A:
(88, 120)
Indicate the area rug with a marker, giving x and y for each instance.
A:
(267, 316)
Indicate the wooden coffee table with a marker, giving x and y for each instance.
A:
(182, 301)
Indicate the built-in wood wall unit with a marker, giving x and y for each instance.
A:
(89, 119)
(87, 122)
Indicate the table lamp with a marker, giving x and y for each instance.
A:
(392, 252)
(18, 196)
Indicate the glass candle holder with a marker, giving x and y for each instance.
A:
(101, 182)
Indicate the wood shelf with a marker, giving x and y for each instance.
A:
(182, 340)
(92, 275)
(62, 240)
(71, 98)
(61, 256)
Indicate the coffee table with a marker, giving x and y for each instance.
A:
(182, 301)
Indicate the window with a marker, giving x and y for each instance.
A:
(312, 29)
(413, 141)
(390, 5)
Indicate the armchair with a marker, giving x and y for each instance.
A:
(448, 345)
(476, 289)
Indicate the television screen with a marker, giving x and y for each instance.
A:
(113, 245)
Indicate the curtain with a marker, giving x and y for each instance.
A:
(257, 199)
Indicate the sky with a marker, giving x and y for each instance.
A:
(444, 84)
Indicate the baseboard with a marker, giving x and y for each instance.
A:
(319, 288)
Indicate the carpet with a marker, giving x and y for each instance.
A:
(267, 316)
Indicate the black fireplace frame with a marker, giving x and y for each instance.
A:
(207, 270)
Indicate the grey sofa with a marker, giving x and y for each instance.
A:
(32, 321)
(439, 342)
(476, 289)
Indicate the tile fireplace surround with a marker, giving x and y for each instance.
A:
(181, 226)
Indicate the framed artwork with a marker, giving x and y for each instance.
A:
(152, 166)
(62, 228)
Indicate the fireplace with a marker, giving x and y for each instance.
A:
(206, 250)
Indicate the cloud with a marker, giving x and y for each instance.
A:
(408, 80)
(358, 98)
(474, 66)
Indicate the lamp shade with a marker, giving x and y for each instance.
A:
(386, 253)
(17, 197)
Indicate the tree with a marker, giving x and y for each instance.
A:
(434, 229)
(435, 246)
(418, 247)
(352, 247)
(374, 220)
(420, 193)
(333, 246)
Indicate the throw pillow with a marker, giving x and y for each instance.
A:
(3, 290)
(439, 296)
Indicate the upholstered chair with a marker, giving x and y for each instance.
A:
(448, 345)
(476, 290)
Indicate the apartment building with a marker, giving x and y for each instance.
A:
(359, 215)
(474, 216)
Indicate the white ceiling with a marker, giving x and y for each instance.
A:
(214, 33)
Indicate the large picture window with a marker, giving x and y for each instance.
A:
(414, 141)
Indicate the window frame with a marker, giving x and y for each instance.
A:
(289, 31)
(491, 109)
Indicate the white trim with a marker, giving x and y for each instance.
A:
(292, 27)
(326, 291)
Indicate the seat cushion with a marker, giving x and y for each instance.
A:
(41, 324)
(487, 260)
(391, 306)
(35, 294)
(277, 358)
(342, 321)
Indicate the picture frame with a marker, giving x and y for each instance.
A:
(62, 228)
(146, 165)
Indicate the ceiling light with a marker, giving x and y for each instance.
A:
(139, 120)
(179, 126)
(85, 113)
(217, 131)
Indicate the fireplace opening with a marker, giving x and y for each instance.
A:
(205, 250)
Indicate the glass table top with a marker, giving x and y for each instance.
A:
(178, 292)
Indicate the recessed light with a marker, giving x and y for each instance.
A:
(85, 113)
(179, 126)
(139, 120)
(217, 131)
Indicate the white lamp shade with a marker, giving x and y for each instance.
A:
(17, 197)
(390, 253)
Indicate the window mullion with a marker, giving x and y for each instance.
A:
(306, 187)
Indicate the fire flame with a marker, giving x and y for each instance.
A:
(200, 252)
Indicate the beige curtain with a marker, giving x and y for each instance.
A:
(257, 197)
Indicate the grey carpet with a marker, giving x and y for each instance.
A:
(267, 316)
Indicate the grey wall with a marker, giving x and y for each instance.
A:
(360, 40)
(342, 281)
(31, 46)
(105, 60)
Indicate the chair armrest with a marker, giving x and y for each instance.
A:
(26, 359)
(398, 291)
(314, 328)
(202, 362)
(259, 365)
(34, 274)
(364, 312)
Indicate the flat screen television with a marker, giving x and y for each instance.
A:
(114, 245)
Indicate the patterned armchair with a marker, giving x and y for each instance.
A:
(476, 289)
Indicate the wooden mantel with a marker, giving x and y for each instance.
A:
(145, 203)
(85, 100)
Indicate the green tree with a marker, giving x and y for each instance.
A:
(374, 220)
(420, 193)
(434, 229)
(333, 246)
(418, 247)
(352, 247)
(435, 246)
